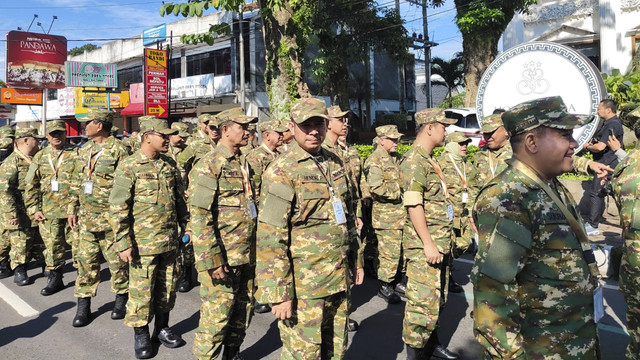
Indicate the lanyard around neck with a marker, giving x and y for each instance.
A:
(441, 176)
(463, 173)
(56, 167)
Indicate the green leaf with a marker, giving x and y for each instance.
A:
(176, 10)
(192, 9)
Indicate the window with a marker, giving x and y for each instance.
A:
(214, 62)
(175, 68)
(52, 94)
(129, 76)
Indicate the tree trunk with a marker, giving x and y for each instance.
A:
(478, 52)
(339, 88)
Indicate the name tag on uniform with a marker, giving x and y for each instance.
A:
(88, 187)
(253, 213)
(465, 197)
(55, 187)
(338, 210)
(598, 304)
(450, 211)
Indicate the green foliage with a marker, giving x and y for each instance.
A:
(487, 17)
(365, 150)
(197, 8)
(400, 120)
(2, 84)
(451, 71)
(79, 50)
(623, 88)
(453, 101)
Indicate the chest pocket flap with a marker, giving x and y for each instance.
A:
(204, 191)
(511, 240)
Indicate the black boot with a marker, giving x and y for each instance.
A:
(454, 287)
(415, 353)
(387, 293)
(5, 269)
(83, 312)
(261, 308)
(54, 284)
(401, 287)
(120, 306)
(163, 333)
(185, 283)
(437, 350)
(231, 353)
(352, 325)
(20, 275)
(142, 344)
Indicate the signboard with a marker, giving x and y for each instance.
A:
(21, 96)
(7, 112)
(542, 69)
(154, 35)
(64, 106)
(199, 86)
(91, 74)
(84, 99)
(35, 61)
(156, 87)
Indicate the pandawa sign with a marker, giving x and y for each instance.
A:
(35, 61)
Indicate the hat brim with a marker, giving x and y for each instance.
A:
(447, 121)
(570, 121)
(489, 128)
(49, 130)
(245, 120)
(310, 116)
(339, 114)
(183, 134)
(163, 131)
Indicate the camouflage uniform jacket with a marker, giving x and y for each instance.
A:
(481, 172)
(455, 185)
(12, 186)
(222, 228)
(245, 150)
(147, 204)
(38, 195)
(174, 152)
(94, 207)
(626, 188)
(259, 158)
(383, 179)
(194, 151)
(301, 249)
(351, 176)
(133, 143)
(421, 185)
(532, 288)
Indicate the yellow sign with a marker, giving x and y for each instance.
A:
(85, 100)
(155, 58)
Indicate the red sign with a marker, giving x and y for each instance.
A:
(35, 61)
(156, 85)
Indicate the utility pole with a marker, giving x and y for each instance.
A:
(241, 46)
(427, 45)
(401, 78)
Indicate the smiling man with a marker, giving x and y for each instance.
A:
(535, 277)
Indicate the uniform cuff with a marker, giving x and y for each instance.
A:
(209, 261)
(274, 295)
(412, 198)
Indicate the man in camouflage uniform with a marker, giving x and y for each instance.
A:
(223, 213)
(51, 199)
(534, 276)
(6, 147)
(177, 144)
(200, 143)
(95, 168)
(15, 224)
(252, 142)
(388, 213)
(6, 142)
(626, 191)
(303, 269)
(147, 213)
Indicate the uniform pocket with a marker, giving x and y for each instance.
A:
(314, 197)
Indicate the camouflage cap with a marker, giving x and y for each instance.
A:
(253, 127)
(491, 123)
(390, 131)
(428, 116)
(6, 143)
(183, 129)
(307, 108)
(114, 130)
(23, 133)
(272, 125)
(56, 125)
(6, 131)
(205, 118)
(458, 137)
(151, 123)
(97, 114)
(335, 112)
(237, 115)
(550, 112)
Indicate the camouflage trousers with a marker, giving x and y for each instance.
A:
(90, 246)
(53, 232)
(185, 255)
(630, 287)
(25, 244)
(389, 253)
(317, 329)
(152, 286)
(226, 312)
(5, 247)
(463, 235)
(426, 294)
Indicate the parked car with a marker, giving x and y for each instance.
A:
(467, 123)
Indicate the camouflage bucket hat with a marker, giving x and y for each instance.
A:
(272, 125)
(152, 123)
(237, 115)
(6, 131)
(390, 131)
(550, 112)
(335, 112)
(183, 129)
(457, 137)
(491, 123)
(428, 116)
(205, 118)
(55, 125)
(23, 133)
(98, 114)
(307, 108)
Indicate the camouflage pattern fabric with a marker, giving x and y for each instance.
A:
(258, 159)
(89, 248)
(195, 150)
(481, 172)
(174, 152)
(426, 292)
(533, 296)
(626, 192)
(248, 148)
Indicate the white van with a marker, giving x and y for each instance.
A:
(467, 123)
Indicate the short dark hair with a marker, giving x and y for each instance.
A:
(517, 139)
(499, 111)
(610, 104)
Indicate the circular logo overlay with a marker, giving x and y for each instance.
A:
(541, 69)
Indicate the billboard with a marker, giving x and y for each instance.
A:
(154, 35)
(198, 86)
(21, 96)
(156, 86)
(91, 74)
(35, 61)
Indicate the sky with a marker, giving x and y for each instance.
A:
(83, 21)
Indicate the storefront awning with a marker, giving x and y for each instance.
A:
(135, 109)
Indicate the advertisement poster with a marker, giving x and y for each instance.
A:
(91, 74)
(21, 96)
(156, 85)
(198, 86)
(35, 61)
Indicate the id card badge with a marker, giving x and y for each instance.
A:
(338, 210)
(253, 213)
(450, 211)
(88, 187)
(598, 304)
(465, 197)
(55, 187)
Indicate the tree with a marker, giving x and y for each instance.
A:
(2, 84)
(481, 23)
(451, 71)
(81, 49)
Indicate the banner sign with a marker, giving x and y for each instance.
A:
(154, 35)
(542, 69)
(199, 86)
(156, 87)
(21, 96)
(91, 74)
(35, 61)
